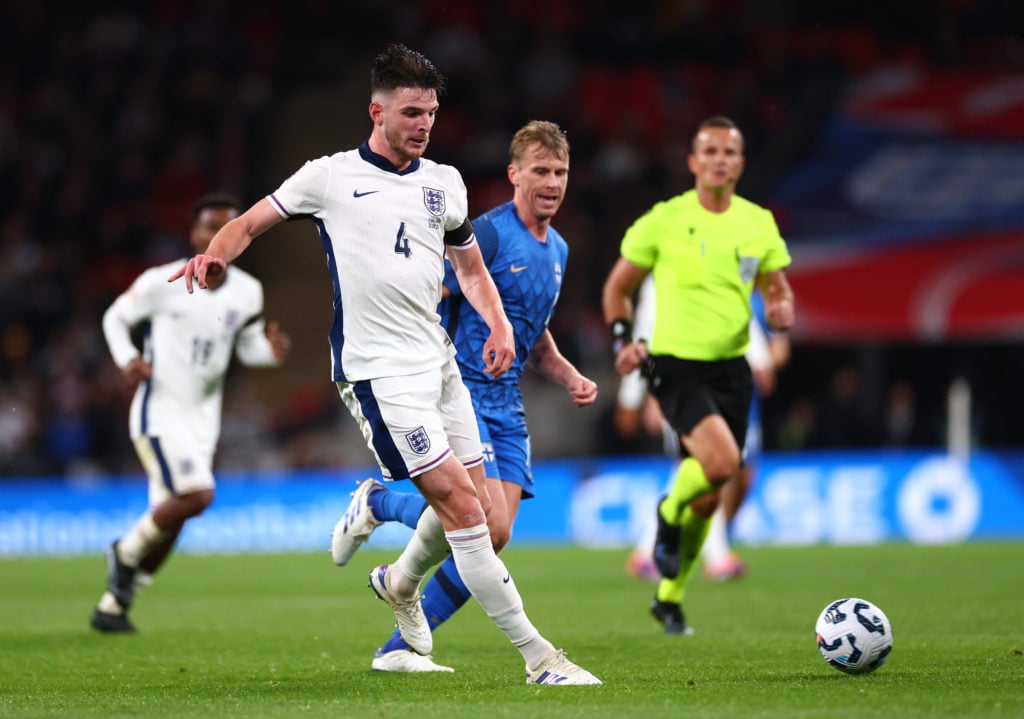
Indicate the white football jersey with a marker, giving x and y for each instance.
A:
(188, 342)
(384, 235)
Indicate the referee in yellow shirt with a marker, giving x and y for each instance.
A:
(707, 248)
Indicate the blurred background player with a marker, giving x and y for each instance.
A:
(706, 249)
(176, 412)
(526, 256)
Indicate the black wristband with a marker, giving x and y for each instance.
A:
(622, 334)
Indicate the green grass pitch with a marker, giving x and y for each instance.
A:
(293, 636)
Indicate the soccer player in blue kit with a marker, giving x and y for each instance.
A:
(526, 258)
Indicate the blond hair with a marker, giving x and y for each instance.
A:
(548, 134)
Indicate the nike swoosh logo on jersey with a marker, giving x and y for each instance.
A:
(515, 269)
(357, 193)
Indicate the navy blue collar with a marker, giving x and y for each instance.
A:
(384, 163)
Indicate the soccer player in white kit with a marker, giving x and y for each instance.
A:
(176, 412)
(387, 218)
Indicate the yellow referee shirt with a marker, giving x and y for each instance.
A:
(704, 264)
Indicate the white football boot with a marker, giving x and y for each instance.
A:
(412, 622)
(557, 669)
(356, 524)
(405, 661)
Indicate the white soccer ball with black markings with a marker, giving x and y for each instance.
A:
(854, 635)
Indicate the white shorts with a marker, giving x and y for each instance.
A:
(632, 391)
(174, 466)
(414, 422)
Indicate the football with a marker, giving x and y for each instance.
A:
(854, 635)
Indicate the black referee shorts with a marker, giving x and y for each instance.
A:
(690, 390)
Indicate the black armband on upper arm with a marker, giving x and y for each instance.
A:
(460, 234)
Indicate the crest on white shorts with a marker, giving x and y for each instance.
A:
(418, 440)
(488, 450)
(434, 201)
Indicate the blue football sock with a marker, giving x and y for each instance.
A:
(443, 594)
(389, 506)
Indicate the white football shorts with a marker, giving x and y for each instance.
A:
(413, 422)
(174, 466)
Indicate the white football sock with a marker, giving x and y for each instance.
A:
(716, 546)
(136, 543)
(427, 547)
(486, 576)
(109, 605)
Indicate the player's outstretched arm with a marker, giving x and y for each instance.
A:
(229, 242)
(478, 287)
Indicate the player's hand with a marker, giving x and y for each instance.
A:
(583, 391)
(499, 350)
(780, 314)
(778, 301)
(630, 357)
(280, 341)
(136, 371)
(199, 268)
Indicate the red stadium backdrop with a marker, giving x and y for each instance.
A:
(969, 287)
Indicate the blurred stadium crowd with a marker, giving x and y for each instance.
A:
(115, 117)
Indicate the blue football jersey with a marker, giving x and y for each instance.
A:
(528, 274)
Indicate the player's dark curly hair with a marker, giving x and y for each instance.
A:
(216, 200)
(398, 66)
